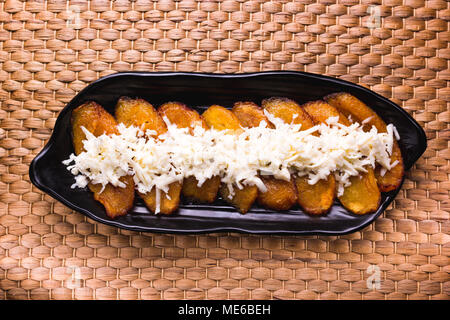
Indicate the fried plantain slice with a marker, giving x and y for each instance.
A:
(250, 114)
(363, 195)
(280, 194)
(140, 113)
(288, 110)
(242, 199)
(116, 200)
(317, 198)
(314, 199)
(181, 115)
(320, 111)
(166, 206)
(185, 117)
(219, 118)
(351, 106)
(207, 193)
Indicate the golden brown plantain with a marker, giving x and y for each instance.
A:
(116, 200)
(317, 198)
(181, 115)
(140, 113)
(219, 118)
(286, 109)
(280, 194)
(207, 193)
(363, 195)
(185, 117)
(243, 199)
(351, 106)
(166, 206)
(320, 111)
(250, 114)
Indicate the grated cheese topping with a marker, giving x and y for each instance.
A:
(238, 158)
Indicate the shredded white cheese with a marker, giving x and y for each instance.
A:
(238, 159)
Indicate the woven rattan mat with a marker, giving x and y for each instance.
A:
(50, 50)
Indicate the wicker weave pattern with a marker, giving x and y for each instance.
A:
(49, 50)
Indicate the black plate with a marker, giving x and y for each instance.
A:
(200, 90)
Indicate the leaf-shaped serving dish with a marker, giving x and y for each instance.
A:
(199, 90)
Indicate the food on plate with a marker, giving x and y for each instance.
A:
(317, 198)
(242, 199)
(358, 111)
(314, 198)
(288, 110)
(220, 118)
(362, 195)
(181, 115)
(93, 118)
(320, 112)
(280, 194)
(250, 114)
(140, 113)
(280, 155)
(185, 117)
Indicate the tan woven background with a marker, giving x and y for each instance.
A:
(48, 54)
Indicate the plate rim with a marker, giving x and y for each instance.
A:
(422, 146)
